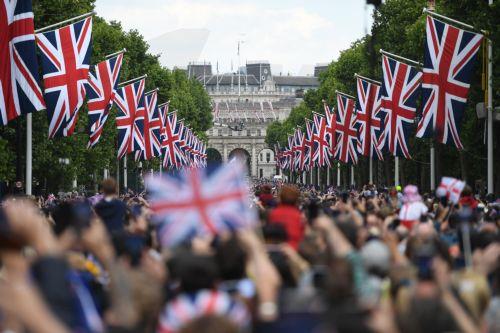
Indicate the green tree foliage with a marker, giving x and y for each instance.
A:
(186, 96)
(399, 27)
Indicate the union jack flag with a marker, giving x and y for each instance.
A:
(101, 89)
(129, 119)
(200, 201)
(300, 150)
(65, 63)
(331, 124)
(291, 151)
(187, 307)
(173, 155)
(309, 143)
(322, 153)
(450, 55)
(400, 88)
(345, 150)
(368, 119)
(162, 113)
(151, 128)
(20, 92)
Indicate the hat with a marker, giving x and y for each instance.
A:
(410, 194)
(398, 188)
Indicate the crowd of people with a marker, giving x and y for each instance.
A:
(358, 260)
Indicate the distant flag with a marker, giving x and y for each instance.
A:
(130, 102)
(450, 55)
(331, 125)
(173, 154)
(322, 153)
(346, 131)
(369, 119)
(65, 65)
(20, 92)
(309, 142)
(151, 128)
(101, 90)
(400, 88)
(200, 202)
(162, 113)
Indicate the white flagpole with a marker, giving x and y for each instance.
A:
(396, 170)
(29, 156)
(318, 176)
(490, 113)
(433, 168)
(328, 176)
(371, 171)
(125, 178)
(118, 174)
(352, 175)
(338, 174)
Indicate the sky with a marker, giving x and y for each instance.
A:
(293, 35)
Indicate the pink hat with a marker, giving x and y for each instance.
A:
(410, 194)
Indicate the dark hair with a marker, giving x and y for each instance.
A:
(231, 259)
(109, 186)
(195, 271)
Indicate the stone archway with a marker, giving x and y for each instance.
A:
(241, 154)
(213, 156)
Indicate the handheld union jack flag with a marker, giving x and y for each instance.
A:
(20, 92)
(450, 55)
(101, 89)
(151, 128)
(65, 63)
(400, 88)
(368, 119)
(347, 135)
(331, 124)
(322, 152)
(130, 102)
(200, 202)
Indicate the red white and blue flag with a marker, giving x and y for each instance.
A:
(300, 150)
(331, 125)
(309, 143)
(400, 89)
(322, 152)
(369, 119)
(20, 92)
(450, 55)
(347, 136)
(130, 102)
(101, 90)
(173, 154)
(65, 65)
(151, 128)
(200, 202)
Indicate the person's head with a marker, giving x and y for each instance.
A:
(289, 195)
(195, 272)
(210, 324)
(109, 187)
(231, 259)
(137, 220)
(376, 258)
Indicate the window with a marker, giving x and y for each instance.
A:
(268, 157)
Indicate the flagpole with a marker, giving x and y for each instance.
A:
(433, 168)
(116, 53)
(125, 178)
(344, 94)
(29, 151)
(118, 175)
(370, 178)
(400, 58)
(133, 80)
(65, 21)
(352, 175)
(396, 170)
(368, 79)
(318, 175)
(328, 176)
(338, 174)
(490, 113)
(465, 25)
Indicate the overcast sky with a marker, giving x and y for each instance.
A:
(295, 34)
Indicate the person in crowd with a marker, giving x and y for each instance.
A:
(111, 209)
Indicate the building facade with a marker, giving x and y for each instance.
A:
(245, 104)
